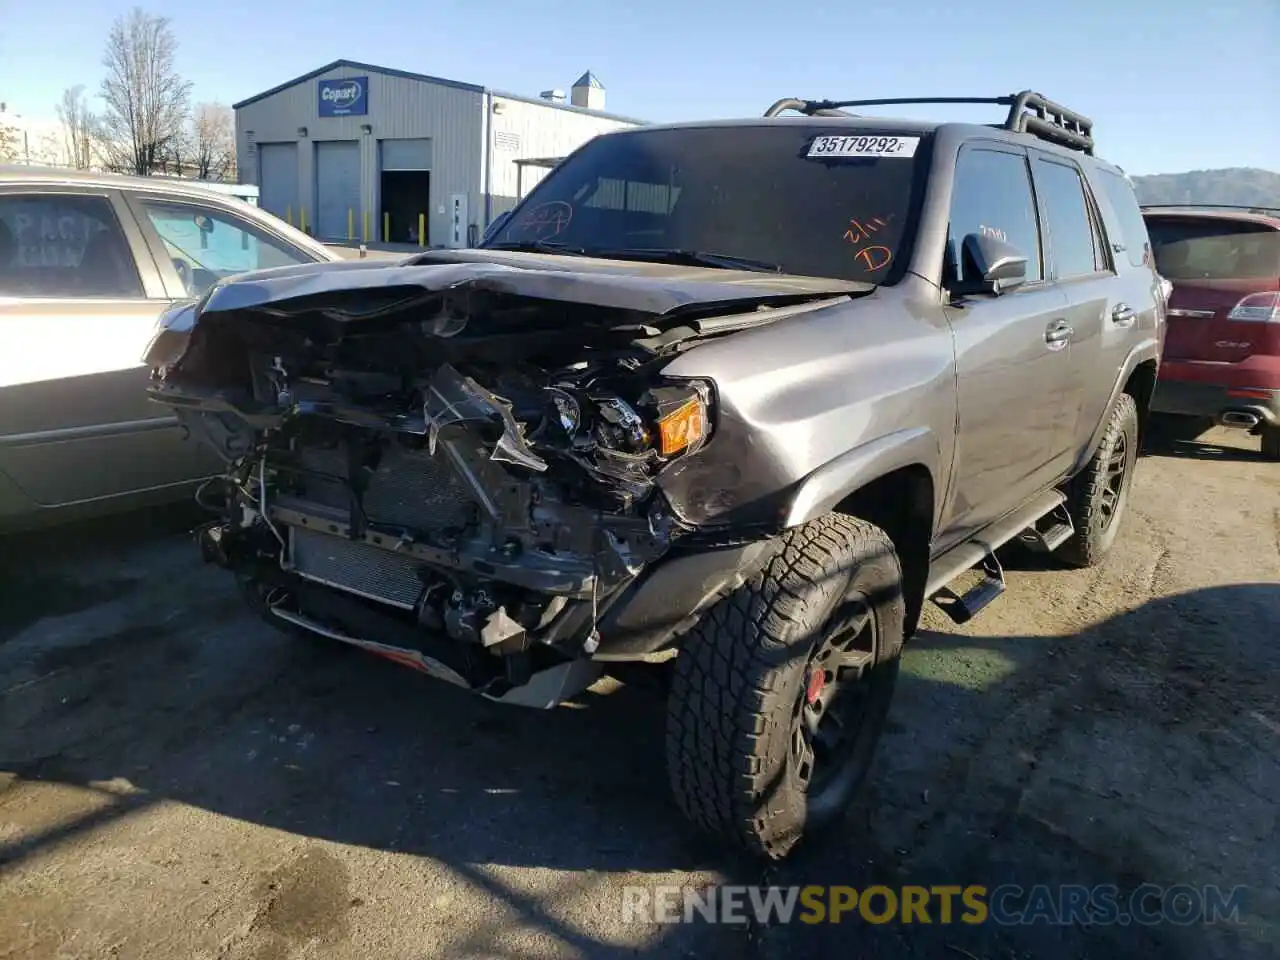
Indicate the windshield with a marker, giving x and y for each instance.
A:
(1214, 249)
(799, 198)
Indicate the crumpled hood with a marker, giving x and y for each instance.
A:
(649, 288)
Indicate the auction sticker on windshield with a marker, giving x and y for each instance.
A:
(847, 146)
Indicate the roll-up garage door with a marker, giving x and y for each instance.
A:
(406, 155)
(278, 179)
(337, 187)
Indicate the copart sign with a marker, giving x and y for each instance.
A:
(348, 97)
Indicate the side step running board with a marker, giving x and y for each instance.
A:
(980, 552)
(1049, 532)
(963, 608)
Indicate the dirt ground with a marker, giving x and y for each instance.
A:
(177, 780)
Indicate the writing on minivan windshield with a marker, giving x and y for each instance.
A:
(731, 197)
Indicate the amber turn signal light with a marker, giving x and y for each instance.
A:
(683, 427)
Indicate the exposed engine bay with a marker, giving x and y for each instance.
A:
(391, 464)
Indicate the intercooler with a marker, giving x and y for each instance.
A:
(355, 567)
(409, 488)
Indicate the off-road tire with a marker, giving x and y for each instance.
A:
(1087, 494)
(741, 674)
(1271, 442)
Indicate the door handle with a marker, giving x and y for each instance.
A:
(1058, 334)
(1123, 315)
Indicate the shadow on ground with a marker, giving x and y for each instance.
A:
(1083, 759)
(1181, 437)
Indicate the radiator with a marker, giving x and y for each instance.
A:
(411, 488)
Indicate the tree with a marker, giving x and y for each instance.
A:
(10, 142)
(213, 141)
(146, 99)
(79, 127)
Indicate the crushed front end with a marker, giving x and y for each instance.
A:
(460, 479)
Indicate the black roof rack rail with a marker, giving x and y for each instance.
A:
(807, 107)
(1029, 112)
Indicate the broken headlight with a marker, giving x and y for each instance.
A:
(681, 416)
(667, 421)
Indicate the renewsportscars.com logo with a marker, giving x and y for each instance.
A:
(1063, 905)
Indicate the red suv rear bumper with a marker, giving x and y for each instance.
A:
(1200, 388)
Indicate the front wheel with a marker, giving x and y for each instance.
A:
(1098, 496)
(780, 693)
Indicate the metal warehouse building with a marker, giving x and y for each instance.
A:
(356, 151)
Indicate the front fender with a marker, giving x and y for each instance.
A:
(824, 488)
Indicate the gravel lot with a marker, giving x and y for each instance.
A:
(176, 780)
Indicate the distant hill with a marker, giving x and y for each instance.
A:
(1247, 186)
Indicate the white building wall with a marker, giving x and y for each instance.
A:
(528, 130)
(399, 107)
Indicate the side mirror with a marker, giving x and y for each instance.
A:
(495, 226)
(996, 266)
(204, 224)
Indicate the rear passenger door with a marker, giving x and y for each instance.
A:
(1012, 366)
(1079, 264)
(79, 295)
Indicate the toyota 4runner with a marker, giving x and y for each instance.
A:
(737, 395)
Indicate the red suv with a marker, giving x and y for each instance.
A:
(1222, 348)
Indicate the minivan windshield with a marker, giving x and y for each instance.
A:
(792, 198)
(1214, 248)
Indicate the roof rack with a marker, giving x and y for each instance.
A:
(1029, 112)
(810, 108)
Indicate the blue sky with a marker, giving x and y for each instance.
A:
(1171, 86)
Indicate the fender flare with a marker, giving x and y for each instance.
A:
(820, 491)
(1141, 353)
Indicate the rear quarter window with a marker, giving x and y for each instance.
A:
(1132, 238)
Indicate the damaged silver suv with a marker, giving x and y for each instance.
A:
(740, 395)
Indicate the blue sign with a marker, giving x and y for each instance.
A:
(344, 98)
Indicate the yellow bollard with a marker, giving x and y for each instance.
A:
(422, 229)
(364, 233)
(288, 215)
(302, 219)
(386, 227)
(351, 224)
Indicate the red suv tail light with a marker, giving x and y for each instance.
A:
(1257, 307)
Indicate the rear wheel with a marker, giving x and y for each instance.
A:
(1097, 498)
(780, 693)
(1271, 442)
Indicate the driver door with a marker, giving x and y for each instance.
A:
(1012, 350)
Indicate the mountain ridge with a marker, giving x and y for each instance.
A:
(1243, 186)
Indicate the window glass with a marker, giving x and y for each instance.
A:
(1069, 226)
(207, 245)
(61, 245)
(1101, 257)
(1212, 248)
(813, 200)
(992, 196)
(1133, 231)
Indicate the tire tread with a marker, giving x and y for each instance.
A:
(728, 686)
